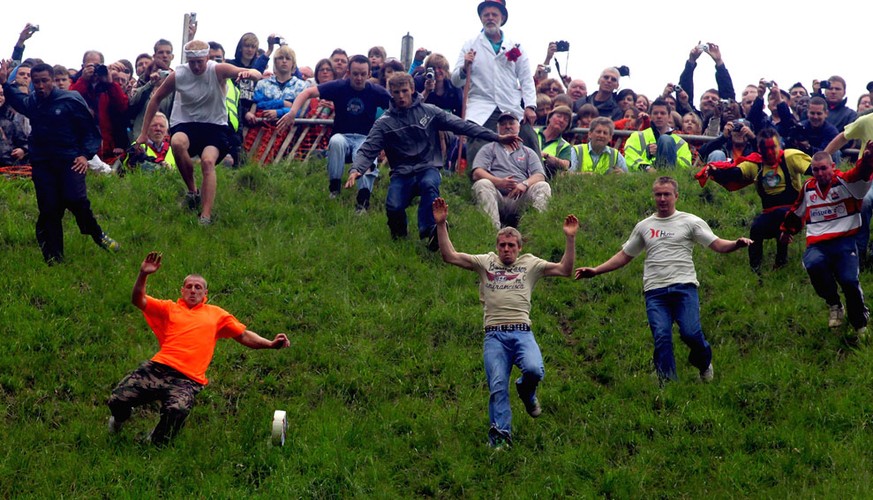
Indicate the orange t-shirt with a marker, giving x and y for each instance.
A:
(187, 336)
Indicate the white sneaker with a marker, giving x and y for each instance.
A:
(114, 427)
(835, 316)
(707, 375)
(99, 166)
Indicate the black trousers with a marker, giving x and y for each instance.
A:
(59, 188)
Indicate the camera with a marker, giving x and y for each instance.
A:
(623, 71)
(703, 47)
(769, 85)
(164, 73)
(33, 28)
(738, 124)
(430, 75)
(677, 88)
(101, 70)
(563, 46)
(824, 84)
(724, 102)
(276, 40)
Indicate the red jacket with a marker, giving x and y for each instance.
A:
(109, 109)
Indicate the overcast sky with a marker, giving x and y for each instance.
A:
(653, 40)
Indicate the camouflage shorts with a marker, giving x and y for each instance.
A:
(156, 382)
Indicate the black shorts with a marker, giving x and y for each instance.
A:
(201, 135)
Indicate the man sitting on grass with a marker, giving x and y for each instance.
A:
(187, 331)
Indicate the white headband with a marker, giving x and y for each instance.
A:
(197, 53)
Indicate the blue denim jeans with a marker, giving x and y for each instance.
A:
(667, 153)
(401, 190)
(836, 261)
(341, 149)
(679, 304)
(501, 351)
(862, 239)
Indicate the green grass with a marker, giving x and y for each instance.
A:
(384, 384)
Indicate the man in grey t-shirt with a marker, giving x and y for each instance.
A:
(508, 178)
(669, 279)
(506, 281)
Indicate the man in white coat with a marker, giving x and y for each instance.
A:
(500, 78)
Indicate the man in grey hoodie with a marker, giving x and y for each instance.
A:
(409, 134)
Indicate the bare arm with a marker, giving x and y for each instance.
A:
(565, 267)
(836, 143)
(150, 265)
(288, 119)
(163, 91)
(252, 340)
(727, 246)
(617, 261)
(447, 250)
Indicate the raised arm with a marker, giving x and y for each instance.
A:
(150, 265)
(727, 246)
(252, 340)
(447, 250)
(166, 88)
(565, 267)
(617, 261)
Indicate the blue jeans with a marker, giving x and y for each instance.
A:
(836, 261)
(665, 158)
(501, 351)
(862, 239)
(342, 148)
(680, 304)
(401, 190)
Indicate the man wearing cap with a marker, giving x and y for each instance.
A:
(500, 78)
(198, 123)
(506, 282)
(555, 150)
(508, 178)
(187, 330)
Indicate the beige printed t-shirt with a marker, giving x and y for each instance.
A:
(505, 290)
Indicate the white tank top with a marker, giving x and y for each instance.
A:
(199, 98)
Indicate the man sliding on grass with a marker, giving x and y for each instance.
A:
(506, 281)
(187, 331)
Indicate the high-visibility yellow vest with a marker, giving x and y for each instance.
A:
(606, 162)
(636, 153)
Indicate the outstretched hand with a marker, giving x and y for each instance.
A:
(440, 210)
(585, 272)
(571, 225)
(280, 341)
(151, 263)
(743, 242)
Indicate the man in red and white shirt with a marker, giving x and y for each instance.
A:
(830, 206)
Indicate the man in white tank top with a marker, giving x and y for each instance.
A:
(669, 279)
(198, 124)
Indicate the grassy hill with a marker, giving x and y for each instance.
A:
(384, 384)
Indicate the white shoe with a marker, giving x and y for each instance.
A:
(114, 427)
(99, 166)
(707, 375)
(835, 316)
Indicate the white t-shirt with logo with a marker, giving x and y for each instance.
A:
(668, 243)
(505, 290)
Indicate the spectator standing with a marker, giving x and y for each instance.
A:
(107, 100)
(500, 80)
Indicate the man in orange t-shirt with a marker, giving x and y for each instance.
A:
(187, 331)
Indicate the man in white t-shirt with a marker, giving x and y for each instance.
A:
(506, 281)
(669, 279)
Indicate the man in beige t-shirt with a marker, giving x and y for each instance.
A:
(669, 279)
(506, 281)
